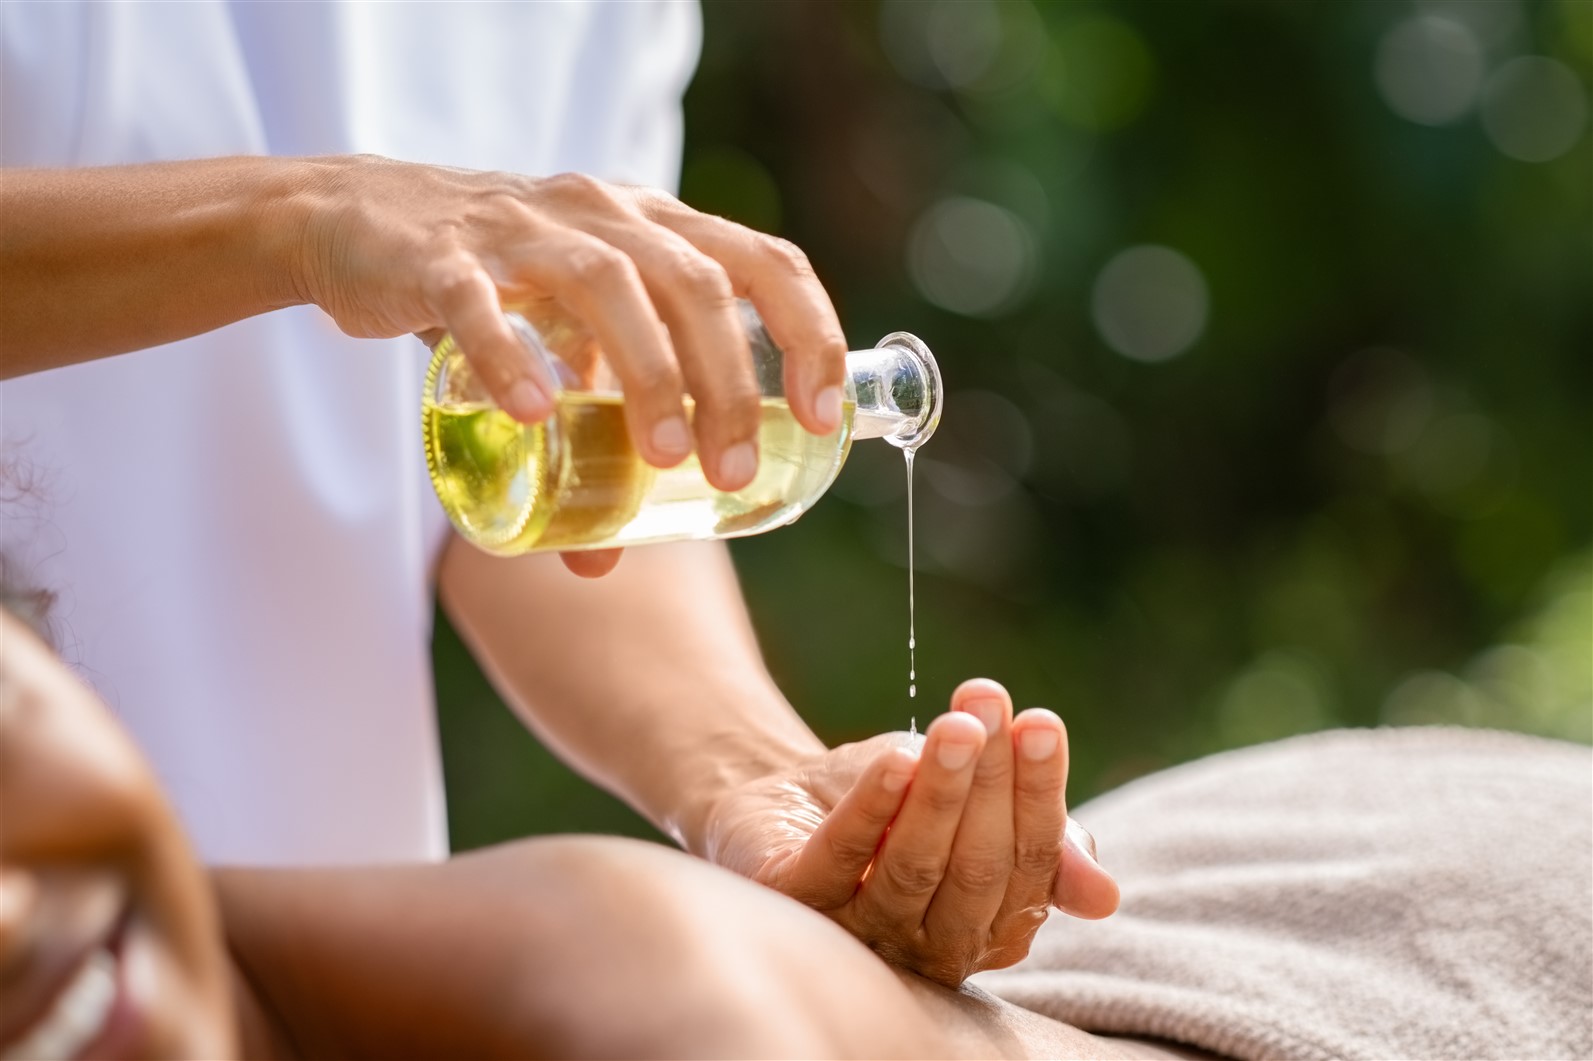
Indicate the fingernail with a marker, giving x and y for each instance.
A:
(672, 437)
(987, 711)
(737, 465)
(526, 401)
(1038, 743)
(895, 780)
(954, 755)
(1083, 840)
(827, 407)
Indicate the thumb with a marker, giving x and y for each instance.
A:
(1083, 888)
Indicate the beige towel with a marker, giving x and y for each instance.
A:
(1410, 893)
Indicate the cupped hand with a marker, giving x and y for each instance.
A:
(943, 857)
(392, 247)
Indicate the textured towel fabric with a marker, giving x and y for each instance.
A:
(1397, 893)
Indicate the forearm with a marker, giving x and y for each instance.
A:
(575, 947)
(648, 681)
(341, 961)
(104, 260)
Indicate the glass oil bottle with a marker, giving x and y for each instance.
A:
(576, 482)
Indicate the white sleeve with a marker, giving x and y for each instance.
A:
(654, 53)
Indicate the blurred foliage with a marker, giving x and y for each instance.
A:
(1315, 452)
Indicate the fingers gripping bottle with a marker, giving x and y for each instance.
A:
(576, 482)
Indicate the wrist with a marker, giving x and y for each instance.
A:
(728, 762)
(294, 209)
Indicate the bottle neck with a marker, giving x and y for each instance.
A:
(897, 389)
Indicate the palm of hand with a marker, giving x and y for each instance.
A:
(763, 827)
(945, 862)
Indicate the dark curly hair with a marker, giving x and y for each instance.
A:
(31, 606)
(21, 486)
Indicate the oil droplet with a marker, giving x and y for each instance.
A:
(912, 727)
(912, 690)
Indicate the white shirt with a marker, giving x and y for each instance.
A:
(239, 525)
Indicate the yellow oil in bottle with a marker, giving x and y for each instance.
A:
(511, 488)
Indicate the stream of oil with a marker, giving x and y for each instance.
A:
(912, 604)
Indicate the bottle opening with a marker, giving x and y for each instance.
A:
(915, 390)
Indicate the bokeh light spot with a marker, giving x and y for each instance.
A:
(1023, 47)
(727, 181)
(1493, 21)
(1539, 680)
(990, 425)
(1007, 183)
(941, 43)
(1282, 693)
(1514, 674)
(993, 544)
(1452, 454)
(1508, 549)
(1429, 698)
(1381, 400)
(1428, 69)
(1150, 303)
(1534, 109)
(984, 446)
(971, 257)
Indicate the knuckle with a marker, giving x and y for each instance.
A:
(494, 366)
(876, 812)
(850, 850)
(994, 774)
(656, 378)
(1037, 859)
(498, 372)
(980, 874)
(831, 351)
(597, 265)
(735, 409)
(944, 800)
(503, 200)
(507, 211)
(703, 278)
(1041, 788)
(449, 277)
(786, 256)
(912, 876)
(582, 188)
(654, 203)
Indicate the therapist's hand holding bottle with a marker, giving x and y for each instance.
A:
(389, 247)
(421, 248)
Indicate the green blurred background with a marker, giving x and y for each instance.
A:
(1267, 336)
